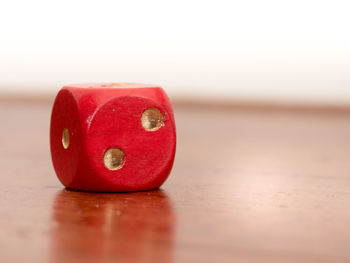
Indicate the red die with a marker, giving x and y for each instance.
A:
(112, 137)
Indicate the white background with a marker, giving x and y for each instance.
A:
(295, 51)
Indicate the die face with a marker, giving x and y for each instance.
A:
(65, 137)
(105, 124)
(148, 152)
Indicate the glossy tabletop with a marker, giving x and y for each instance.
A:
(248, 185)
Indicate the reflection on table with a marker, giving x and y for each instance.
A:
(110, 227)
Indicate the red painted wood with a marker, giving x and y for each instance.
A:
(100, 116)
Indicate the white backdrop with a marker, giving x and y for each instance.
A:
(251, 50)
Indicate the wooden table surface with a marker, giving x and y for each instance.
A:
(248, 185)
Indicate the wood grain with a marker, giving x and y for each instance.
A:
(248, 185)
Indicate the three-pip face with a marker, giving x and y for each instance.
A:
(112, 137)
